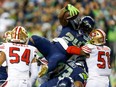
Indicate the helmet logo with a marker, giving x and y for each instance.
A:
(93, 34)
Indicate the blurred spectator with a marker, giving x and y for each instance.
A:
(112, 37)
(5, 22)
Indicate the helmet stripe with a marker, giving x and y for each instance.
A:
(17, 32)
(86, 49)
(103, 33)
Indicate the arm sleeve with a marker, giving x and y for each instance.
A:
(74, 50)
(86, 49)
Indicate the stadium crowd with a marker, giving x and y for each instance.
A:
(40, 17)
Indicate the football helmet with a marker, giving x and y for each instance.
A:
(86, 24)
(7, 36)
(98, 37)
(19, 35)
(65, 82)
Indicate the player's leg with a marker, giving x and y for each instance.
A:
(55, 59)
(41, 43)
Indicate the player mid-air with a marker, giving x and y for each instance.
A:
(55, 52)
(71, 69)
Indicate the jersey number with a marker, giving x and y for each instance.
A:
(24, 57)
(66, 73)
(101, 59)
(71, 38)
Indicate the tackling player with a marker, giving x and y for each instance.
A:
(55, 52)
(98, 59)
(19, 58)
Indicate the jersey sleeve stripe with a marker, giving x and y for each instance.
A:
(86, 49)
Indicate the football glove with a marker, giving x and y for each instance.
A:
(72, 10)
(43, 70)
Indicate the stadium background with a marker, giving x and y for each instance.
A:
(40, 17)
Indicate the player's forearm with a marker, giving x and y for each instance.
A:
(61, 14)
(2, 57)
(74, 50)
(61, 17)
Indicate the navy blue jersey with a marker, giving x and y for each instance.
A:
(73, 37)
(54, 52)
(70, 70)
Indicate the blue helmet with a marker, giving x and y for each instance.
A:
(65, 82)
(86, 24)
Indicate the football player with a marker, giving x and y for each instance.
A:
(70, 69)
(3, 68)
(97, 59)
(55, 52)
(19, 57)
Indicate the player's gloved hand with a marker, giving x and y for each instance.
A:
(73, 10)
(43, 70)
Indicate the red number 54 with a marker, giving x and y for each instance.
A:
(24, 57)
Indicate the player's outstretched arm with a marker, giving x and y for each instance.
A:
(67, 13)
(74, 50)
(2, 57)
(62, 18)
(78, 51)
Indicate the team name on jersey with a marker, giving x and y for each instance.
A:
(70, 38)
(22, 45)
(102, 48)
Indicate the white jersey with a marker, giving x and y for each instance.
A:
(18, 59)
(99, 61)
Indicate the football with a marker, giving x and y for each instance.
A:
(68, 17)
